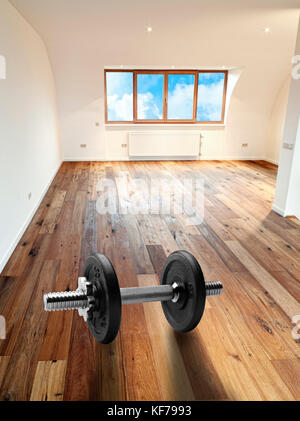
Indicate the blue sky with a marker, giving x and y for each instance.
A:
(180, 96)
(210, 96)
(119, 86)
(150, 90)
(150, 96)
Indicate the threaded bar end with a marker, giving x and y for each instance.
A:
(69, 300)
(213, 288)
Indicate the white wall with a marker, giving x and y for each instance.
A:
(293, 198)
(246, 123)
(29, 143)
(276, 122)
(287, 195)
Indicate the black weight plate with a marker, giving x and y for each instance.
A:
(105, 317)
(182, 267)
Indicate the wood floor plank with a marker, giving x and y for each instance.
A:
(253, 318)
(49, 381)
(147, 230)
(25, 356)
(139, 251)
(271, 325)
(281, 296)
(3, 366)
(171, 370)
(6, 287)
(291, 284)
(273, 254)
(295, 220)
(225, 356)
(89, 243)
(81, 378)
(226, 255)
(78, 213)
(158, 258)
(166, 239)
(111, 373)
(24, 288)
(61, 232)
(56, 340)
(206, 382)
(248, 355)
(50, 220)
(136, 346)
(289, 371)
(104, 229)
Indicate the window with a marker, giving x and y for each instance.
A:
(119, 96)
(210, 96)
(181, 96)
(165, 96)
(150, 96)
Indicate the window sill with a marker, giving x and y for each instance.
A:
(165, 125)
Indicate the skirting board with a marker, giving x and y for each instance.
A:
(272, 161)
(235, 158)
(28, 219)
(178, 158)
(278, 210)
(126, 159)
(229, 158)
(95, 159)
(163, 158)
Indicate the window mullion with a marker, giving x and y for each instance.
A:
(195, 97)
(224, 95)
(165, 112)
(134, 96)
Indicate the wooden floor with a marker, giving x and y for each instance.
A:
(243, 348)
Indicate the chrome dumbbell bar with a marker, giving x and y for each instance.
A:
(75, 300)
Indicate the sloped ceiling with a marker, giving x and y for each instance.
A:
(82, 36)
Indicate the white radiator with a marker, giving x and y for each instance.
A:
(164, 145)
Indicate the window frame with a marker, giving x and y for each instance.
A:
(166, 74)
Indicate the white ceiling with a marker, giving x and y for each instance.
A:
(83, 36)
(185, 32)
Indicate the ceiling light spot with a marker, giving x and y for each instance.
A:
(149, 28)
(267, 30)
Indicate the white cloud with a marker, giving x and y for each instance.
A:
(210, 101)
(147, 107)
(211, 94)
(180, 101)
(120, 109)
(119, 82)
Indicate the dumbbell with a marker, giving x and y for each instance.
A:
(99, 298)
